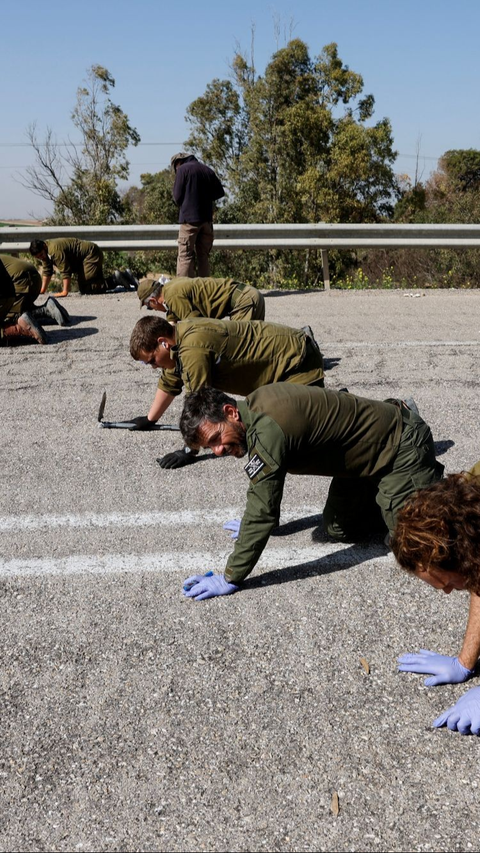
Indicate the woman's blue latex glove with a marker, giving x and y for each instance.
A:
(234, 526)
(444, 669)
(207, 586)
(464, 716)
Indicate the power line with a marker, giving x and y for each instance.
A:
(150, 144)
(22, 168)
(73, 144)
(418, 156)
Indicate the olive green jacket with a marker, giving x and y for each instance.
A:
(67, 254)
(6, 284)
(7, 293)
(199, 297)
(26, 281)
(233, 356)
(21, 272)
(295, 429)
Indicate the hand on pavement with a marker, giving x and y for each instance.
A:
(200, 587)
(234, 526)
(464, 716)
(177, 458)
(444, 669)
(194, 579)
(141, 422)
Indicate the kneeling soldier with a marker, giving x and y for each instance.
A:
(233, 356)
(28, 283)
(15, 328)
(82, 258)
(184, 298)
(378, 453)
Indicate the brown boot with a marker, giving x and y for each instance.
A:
(25, 327)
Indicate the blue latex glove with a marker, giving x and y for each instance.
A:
(207, 586)
(445, 669)
(195, 579)
(234, 526)
(464, 716)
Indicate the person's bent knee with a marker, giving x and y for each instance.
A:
(344, 529)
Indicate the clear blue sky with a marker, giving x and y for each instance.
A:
(419, 58)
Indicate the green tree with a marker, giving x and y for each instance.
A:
(411, 201)
(152, 203)
(295, 144)
(81, 179)
(450, 195)
(460, 170)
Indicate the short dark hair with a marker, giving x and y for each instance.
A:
(146, 334)
(37, 246)
(204, 405)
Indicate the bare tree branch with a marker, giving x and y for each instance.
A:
(47, 178)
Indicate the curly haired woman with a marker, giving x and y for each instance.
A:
(437, 538)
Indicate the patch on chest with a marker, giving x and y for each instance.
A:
(254, 466)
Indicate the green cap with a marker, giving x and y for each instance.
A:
(145, 290)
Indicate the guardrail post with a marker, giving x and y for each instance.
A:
(326, 272)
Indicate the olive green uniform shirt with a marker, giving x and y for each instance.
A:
(293, 429)
(26, 281)
(211, 297)
(238, 356)
(7, 294)
(68, 255)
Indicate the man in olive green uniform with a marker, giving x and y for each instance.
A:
(27, 283)
(71, 256)
(378, 454)
(7, 293)
(183, 298)
(235, 356)
(20, 327)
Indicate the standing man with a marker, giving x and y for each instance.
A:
(378, 453)
(195, 189)
(82, 258)
(27, 283)
(184, 298)
(234, 356)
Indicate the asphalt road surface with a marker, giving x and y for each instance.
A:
(133, 719)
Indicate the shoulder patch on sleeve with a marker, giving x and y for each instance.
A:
(254, 466)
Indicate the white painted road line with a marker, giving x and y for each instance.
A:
(188, 562)
(329, 345)
(16, 523)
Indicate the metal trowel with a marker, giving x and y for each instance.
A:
(126, 424)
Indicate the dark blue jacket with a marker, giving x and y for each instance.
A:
(195, 189)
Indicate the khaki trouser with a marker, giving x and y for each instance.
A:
(357, 507)
(310, 371)
(247, 303)
(194, 238)
(26, 292)
(90, 276)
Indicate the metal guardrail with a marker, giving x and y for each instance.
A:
(321, 236)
